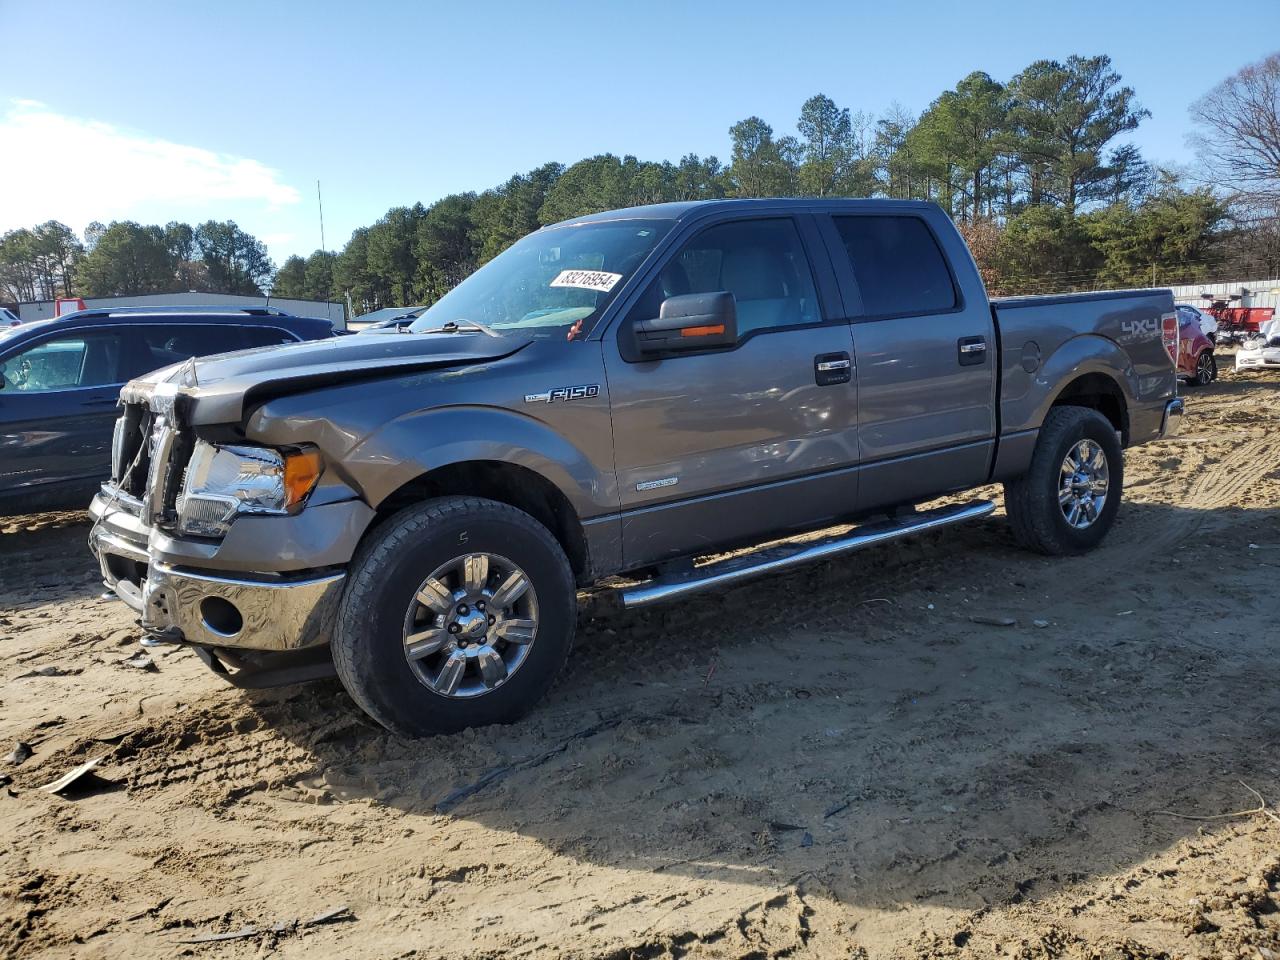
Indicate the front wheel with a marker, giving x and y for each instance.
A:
(1066, 502)
(458, 612)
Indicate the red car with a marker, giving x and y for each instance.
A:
(1196, 363)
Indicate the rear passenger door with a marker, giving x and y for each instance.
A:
(925, 356)
(726, 445)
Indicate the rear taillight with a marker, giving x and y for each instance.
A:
(1169, 334)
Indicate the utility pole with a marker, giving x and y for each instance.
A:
(320, 204)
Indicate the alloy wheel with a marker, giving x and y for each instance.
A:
(1084, 481)
(471, 625)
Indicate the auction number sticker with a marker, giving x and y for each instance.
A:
(587, 280)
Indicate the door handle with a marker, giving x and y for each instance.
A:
(832, 368)
(971, 350)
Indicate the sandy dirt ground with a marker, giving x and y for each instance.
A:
(857, 760)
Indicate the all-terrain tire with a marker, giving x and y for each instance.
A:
(390, 566)
(1031, 501)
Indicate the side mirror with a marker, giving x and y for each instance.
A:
(693, 321)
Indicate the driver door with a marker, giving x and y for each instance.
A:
(727, 445)
(57, 410)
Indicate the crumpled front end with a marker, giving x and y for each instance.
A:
(272, 583)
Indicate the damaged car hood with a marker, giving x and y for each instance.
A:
(221, 388)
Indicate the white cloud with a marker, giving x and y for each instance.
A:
(65, 168)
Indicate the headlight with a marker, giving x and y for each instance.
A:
(224, 482)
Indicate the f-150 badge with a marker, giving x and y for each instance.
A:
(583, 391)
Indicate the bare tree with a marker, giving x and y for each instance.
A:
(1240, 140)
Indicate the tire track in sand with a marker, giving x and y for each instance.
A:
(1215, 485)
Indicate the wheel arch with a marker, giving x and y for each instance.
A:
(505, 482)
(1098, 391)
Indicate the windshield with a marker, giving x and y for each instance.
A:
(553, 283)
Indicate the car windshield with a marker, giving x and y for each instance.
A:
(553, 283)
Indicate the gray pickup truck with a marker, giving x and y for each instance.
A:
(621, 395)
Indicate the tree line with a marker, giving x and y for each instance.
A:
(127, 259)
(1034, 169)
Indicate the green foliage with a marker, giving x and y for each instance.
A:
(1172, 233)
(760, 166)
(1063, 116)
(957, 142)
(127, 259)
(38, 264)
(291, 279)
(1044, 249)
(235, 261)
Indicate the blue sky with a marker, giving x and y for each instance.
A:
(159, 111)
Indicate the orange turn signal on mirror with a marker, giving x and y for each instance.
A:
(707, 331)
(301, 471)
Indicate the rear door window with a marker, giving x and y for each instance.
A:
(899, 268)
(266, 336)
(174, 342)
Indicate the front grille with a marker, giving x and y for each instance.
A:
(131, 449)
(149, 454)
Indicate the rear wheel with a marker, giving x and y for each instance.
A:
(1066, 502)
(1206, 369)
(458, 612)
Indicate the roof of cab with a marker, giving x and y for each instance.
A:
(682, 209)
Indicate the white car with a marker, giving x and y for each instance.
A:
(8, 318)
(1261, 351)
(1208, 325)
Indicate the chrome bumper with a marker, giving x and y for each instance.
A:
(270, 612)
(1173, 413)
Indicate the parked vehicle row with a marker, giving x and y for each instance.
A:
(60, 383)
(621, 393)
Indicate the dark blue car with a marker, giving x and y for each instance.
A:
(59, 380)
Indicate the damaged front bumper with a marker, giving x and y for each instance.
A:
(175, 601)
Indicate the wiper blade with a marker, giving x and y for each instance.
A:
(454, 326)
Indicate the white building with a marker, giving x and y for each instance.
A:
(1254, 293)
(327, 310)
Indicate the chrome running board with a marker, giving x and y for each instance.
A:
(784, 555)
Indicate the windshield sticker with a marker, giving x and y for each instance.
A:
(587, 280)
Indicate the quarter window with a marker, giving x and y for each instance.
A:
(899, 268)
(761, 262)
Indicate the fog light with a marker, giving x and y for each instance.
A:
(221, 616)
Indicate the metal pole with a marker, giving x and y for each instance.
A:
(320, 204)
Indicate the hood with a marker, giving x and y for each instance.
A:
(219, 389)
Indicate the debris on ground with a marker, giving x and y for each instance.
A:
(79, 780)
(21, 751)
(280, 926)
(141, 661)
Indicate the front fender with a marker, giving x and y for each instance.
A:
(1026, 396)
(418, 442)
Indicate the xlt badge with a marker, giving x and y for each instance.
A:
(581, 392)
